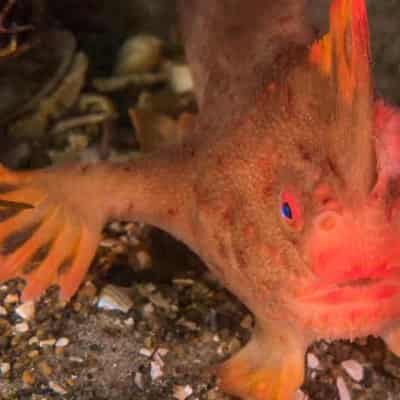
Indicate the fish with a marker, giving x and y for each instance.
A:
(286, 184)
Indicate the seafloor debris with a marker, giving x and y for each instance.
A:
(32, 76)
(114, 298)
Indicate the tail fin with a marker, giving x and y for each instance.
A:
(43, 239)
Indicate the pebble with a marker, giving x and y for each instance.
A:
(146, 352)
(3, 311)
(33, 354)
(78, 142)
(59, 351)
(139, 381)
(129, 322)
(116, 227)
(55, 387)
(157, 358)
(45, 368)
(22, 327)
(28, 378)
(183, 282)
(88, 291)
(75, 359)
(300, 395)
(180, 78)
(5, 368)
(62, 342)
(114, 298)
(148, 309)
(354, 369)
(144, 259)
(26, 310)
(247, 322)
(344, 393)
(182, 392)
(160, 301)
(108, 243)
(11, 299)
(155, 370)
(162, 351)
(312, 361)
(140, 53)
(47, 343)
(33, 340)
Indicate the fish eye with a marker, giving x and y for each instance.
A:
(286, 211)
(290, 210)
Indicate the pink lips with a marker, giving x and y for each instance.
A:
(361, 290)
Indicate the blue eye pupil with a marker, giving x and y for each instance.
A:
(287, 211)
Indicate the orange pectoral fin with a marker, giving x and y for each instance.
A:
(269, 367)
(47, 244)
(343, 54)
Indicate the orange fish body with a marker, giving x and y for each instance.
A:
(286, 186)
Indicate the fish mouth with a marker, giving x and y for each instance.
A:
(362, 290)
(362, 282)
(348, 308)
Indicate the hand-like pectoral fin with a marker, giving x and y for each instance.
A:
(269, 367)
(48, 242)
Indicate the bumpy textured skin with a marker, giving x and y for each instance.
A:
(282, 121)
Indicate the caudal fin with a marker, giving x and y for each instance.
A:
(51, 243)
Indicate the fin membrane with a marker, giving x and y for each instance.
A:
(42, 241)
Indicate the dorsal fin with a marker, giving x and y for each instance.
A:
(343, 57)
(344, 53)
